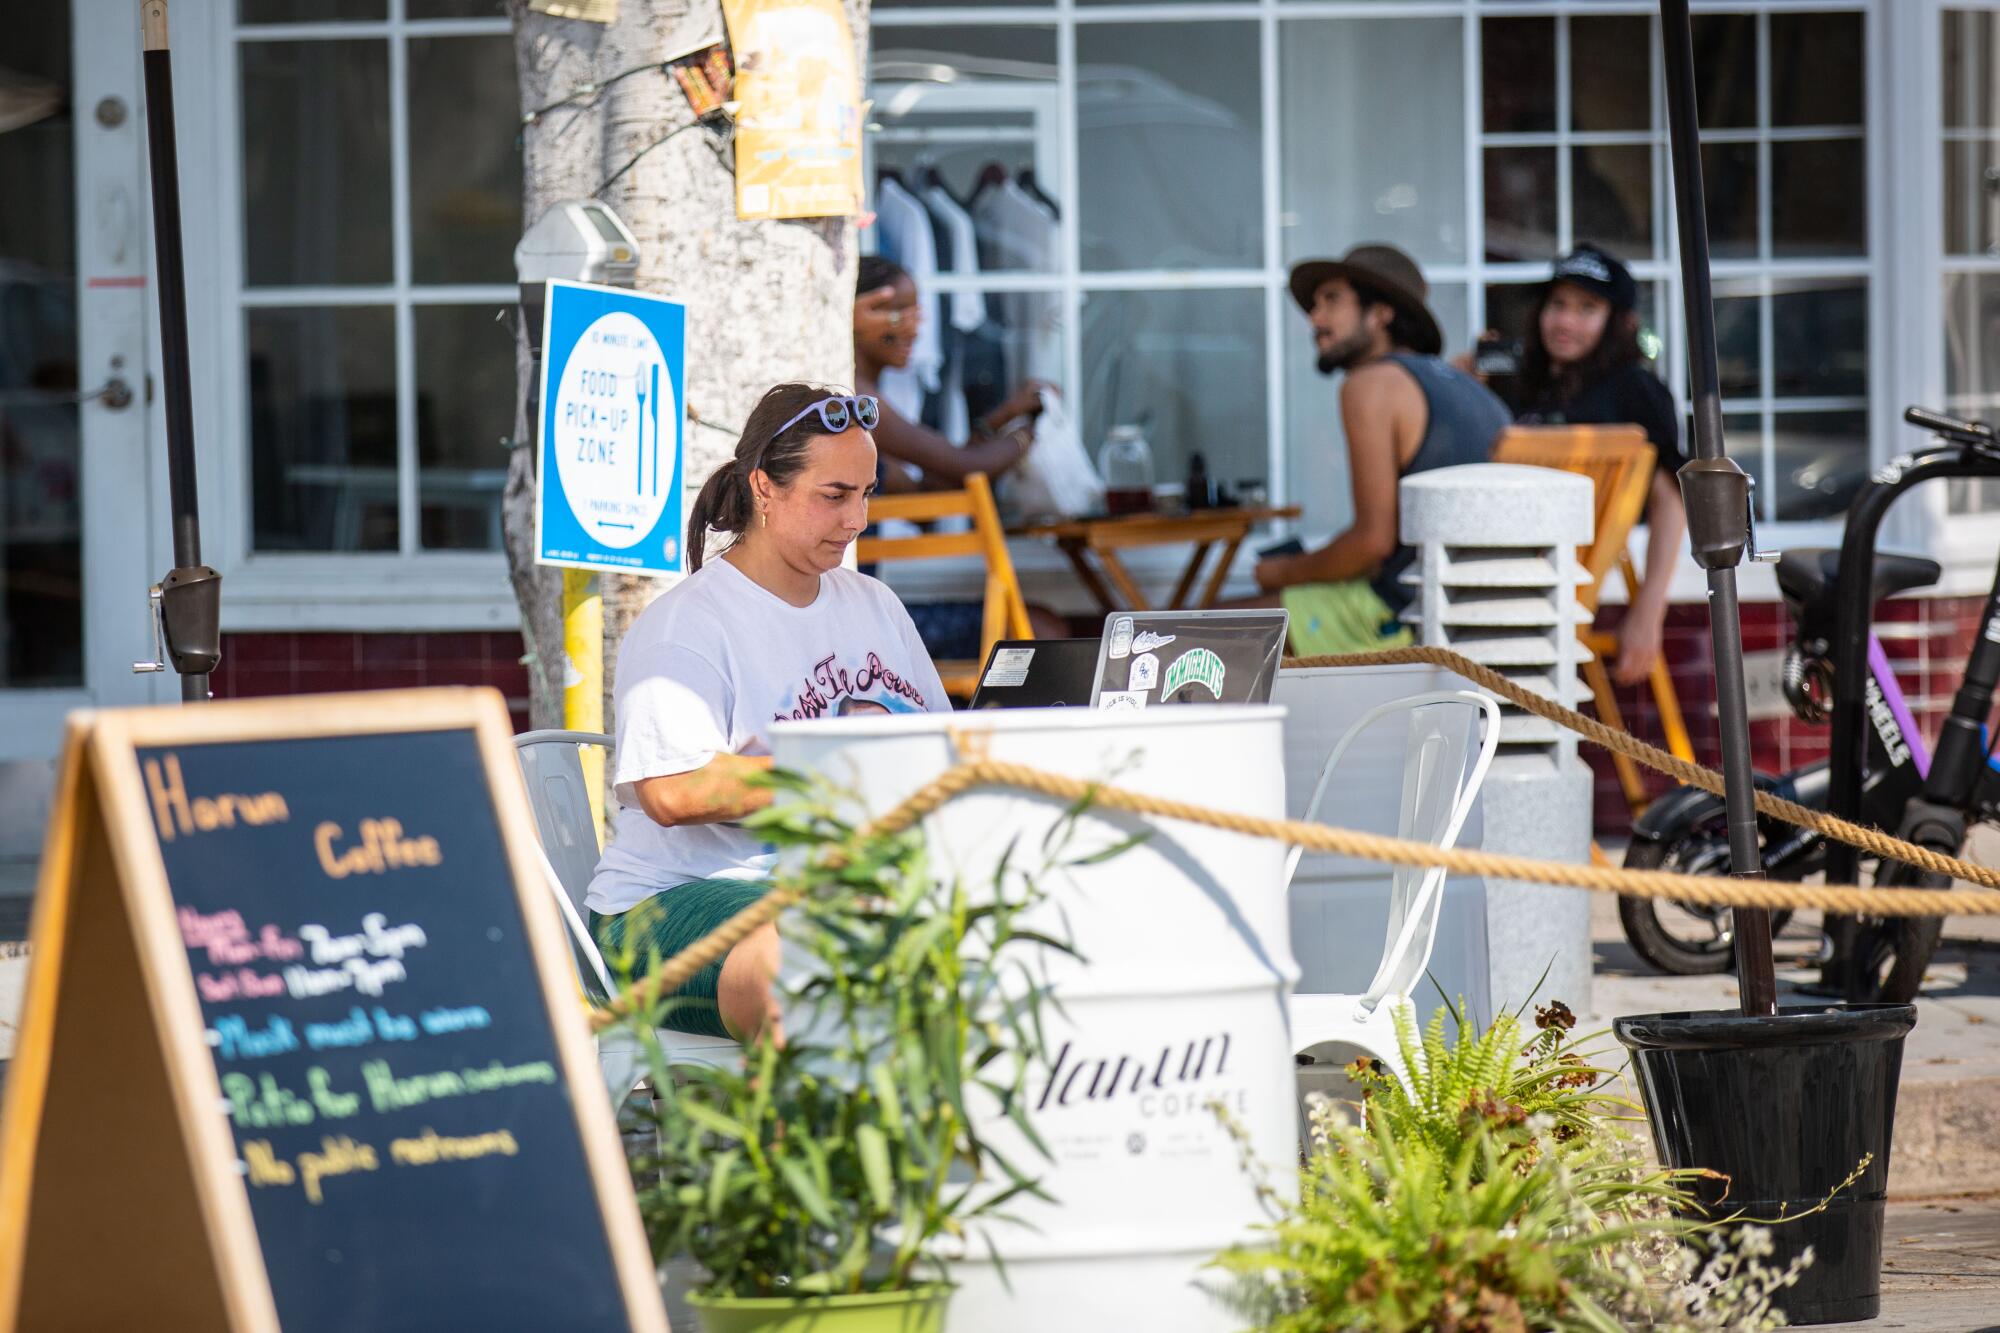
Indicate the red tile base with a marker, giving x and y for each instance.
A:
(258, 665)
(1940, 633)
(1941, 630)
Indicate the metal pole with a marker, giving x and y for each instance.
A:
(190, 593)
(583, 677)
(1717, 493)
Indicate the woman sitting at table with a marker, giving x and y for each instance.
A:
(774, 629)
(886, 319)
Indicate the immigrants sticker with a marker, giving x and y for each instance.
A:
(1145, 669)
(1121, 638)
(1197, 666)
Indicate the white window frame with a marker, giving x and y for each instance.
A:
(1963, 542)
(407, 589)
(1888, 232)
(414, 590)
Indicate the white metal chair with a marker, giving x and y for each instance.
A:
(1446, 756)
(553, 768)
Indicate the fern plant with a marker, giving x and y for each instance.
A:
(1499, 1078)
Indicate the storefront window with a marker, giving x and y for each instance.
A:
(1370, 138)
(41, 442)
(322, 387)
(1348, 172)
(1186, 367)
(316, 163)
(381, 202)
(1971, 120)
(1169, 146)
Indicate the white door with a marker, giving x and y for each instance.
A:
(75, 330)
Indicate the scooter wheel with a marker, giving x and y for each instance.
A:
(1683, 939)
(1892, 952)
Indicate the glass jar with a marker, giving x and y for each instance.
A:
(1126, 464)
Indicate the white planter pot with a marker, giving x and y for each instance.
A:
(1178, 1000)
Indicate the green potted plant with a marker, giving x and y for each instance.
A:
(1499, 1191)
(811, 1181)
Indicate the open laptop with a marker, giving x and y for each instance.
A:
(1037, 673)
(1148, 658)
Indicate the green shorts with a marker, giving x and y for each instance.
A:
(1349, 617)
(636, 941)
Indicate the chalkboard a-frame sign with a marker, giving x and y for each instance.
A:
(301, 1046)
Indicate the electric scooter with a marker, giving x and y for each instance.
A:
(1901, 787)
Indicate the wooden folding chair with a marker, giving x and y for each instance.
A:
(1619, 462)
(1006, 613)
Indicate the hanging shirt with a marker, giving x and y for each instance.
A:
(967, 310)
(903, 234)
(706, 669)
(1018, 234)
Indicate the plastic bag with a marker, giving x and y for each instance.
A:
(1056, 478)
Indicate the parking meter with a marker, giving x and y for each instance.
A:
(579, 240)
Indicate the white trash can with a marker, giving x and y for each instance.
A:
(1177, 1000)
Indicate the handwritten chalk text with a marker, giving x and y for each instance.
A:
(177, 814)
(382, 848)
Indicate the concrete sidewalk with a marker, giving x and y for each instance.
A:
(1948, 1110)
(1940, 1268)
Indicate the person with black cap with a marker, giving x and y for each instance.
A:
(1582, 365)
(1404, 411)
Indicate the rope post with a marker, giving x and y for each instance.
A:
(1498, 571)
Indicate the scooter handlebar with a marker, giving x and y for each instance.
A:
(1965, 432)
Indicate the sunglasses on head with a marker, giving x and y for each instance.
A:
(837, 414)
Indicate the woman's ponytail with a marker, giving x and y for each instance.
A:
(768, 444)
(722, 505)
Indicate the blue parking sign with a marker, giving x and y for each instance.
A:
(614, 370)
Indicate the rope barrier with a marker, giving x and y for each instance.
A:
(1693, 775)
(1708, 891)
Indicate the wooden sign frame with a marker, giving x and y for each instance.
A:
(142, 1218)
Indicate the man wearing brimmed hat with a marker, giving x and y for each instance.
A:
(1403, 411)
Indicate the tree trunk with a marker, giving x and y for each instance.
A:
(767, 301)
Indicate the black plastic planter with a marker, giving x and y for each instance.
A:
(1785, 1106)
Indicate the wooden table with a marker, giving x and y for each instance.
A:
(1093, 544)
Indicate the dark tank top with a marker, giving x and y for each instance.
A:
(1466, 418)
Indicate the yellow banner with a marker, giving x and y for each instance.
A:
(589, 11)
(798, 122)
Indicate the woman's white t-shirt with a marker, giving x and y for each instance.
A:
(706, 669)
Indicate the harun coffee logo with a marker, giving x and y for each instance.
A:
(1176, 1079)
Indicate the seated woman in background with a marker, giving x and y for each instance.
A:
(774, 629)
(886, 318)
(1582, 366)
